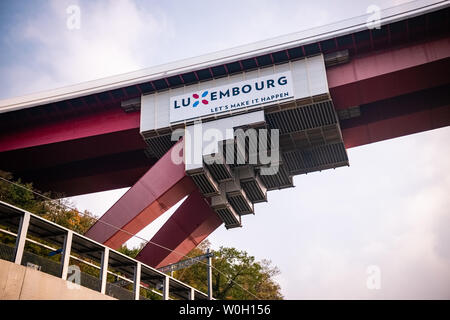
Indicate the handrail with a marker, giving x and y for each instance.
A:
(23, 231)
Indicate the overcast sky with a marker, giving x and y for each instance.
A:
(390, 208)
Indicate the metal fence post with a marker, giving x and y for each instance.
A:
(104, 270)
(192, 294)
(209, 275)
(21, 237)
(166, 288)
(137, 280)
(65, 257)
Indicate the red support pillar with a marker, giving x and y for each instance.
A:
(191, 223)
(159, 189)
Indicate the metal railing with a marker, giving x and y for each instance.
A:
(108, 263)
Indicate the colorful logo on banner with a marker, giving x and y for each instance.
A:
(237, 95)
(196, 96)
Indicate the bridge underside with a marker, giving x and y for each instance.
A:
(370, 94)
(393, 84)
(396, 115)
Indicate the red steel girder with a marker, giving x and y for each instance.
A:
(399, 116)
(76, 127)
(365, 78)
(33, 151)
(191, 223)
(160, 188)
(385, 74)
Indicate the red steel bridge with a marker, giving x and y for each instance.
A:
(382, 84)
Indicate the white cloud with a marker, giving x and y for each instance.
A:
(115, 37)
(122, 36)
(398, 220)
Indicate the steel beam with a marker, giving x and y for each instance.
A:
(366, 78)
(93, 175)
(398, 117)
(191, 223)
(389, 73)
(159, 189)
(342, 79)
(90, 125)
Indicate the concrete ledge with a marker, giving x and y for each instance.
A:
(21, 283)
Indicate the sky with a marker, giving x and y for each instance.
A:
(388, 209)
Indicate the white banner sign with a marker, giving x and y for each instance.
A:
(230, 97)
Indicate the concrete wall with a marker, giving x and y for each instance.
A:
(22, 283)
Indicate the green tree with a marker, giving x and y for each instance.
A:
(241, 277)
(58, 210)
(133, 252)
